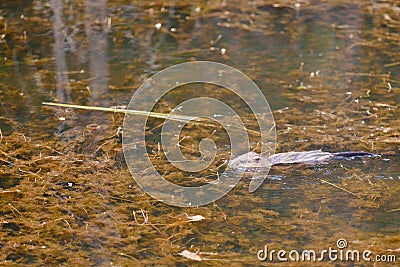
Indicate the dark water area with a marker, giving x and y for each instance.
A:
(330, 71)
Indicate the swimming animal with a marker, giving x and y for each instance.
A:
(253, 161)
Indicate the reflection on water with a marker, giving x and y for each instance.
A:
(62, 87)
(96, 29)
(329, 71)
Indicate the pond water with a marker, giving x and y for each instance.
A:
(329, 70)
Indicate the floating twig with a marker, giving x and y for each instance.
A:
(10, 191)
(368, 74)
(128, 256)
(14, 209)
(159, 115)
(326, 182)
(129, 111)
(392, 64)
(393, 210)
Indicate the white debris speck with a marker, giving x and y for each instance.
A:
(173, 29)
(109, 22)
(197, 9)
(223, 51)
(158, 26)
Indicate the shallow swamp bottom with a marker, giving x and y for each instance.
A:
(72, 201)
(329, 68)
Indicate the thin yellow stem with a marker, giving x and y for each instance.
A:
(159, 115)
(126, 111)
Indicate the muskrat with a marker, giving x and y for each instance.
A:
(254, 161)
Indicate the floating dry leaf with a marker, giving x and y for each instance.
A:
(195, 218)
(190, 255)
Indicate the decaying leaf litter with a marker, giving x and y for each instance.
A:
(68, 199)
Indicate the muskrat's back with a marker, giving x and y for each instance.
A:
(252, 160)
(307, 157)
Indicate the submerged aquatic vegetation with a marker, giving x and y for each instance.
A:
(66, 195)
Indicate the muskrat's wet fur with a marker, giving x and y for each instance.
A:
(252, 160)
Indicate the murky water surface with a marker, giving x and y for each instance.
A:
(329, 69)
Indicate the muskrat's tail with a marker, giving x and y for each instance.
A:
(354, 154)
